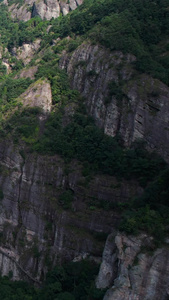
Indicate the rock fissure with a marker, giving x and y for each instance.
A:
(6, 252)
(20, 221)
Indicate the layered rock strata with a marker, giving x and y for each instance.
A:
(49, 211)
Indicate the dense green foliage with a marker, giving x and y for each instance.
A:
(10, 89)
(136, 27)
(73, 281)
(82, 139)
(14, 33)
(150, 212)
(23, 125)
(62, 94)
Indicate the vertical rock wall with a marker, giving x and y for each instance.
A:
(45, 9)
(36, 228)
(140, 111)
(133, 269)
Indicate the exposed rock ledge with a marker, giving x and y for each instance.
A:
(26, 51)
(38, 95)
(133, 272)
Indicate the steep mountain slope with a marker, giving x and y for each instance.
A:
(82, 99)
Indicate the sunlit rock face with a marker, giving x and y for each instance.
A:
(38, 95)
(45, 9)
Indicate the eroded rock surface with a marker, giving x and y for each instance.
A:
(5, 62)
(37, 227)
(26, 51)
(45, 9)
(28, 73)
(141, 108)
(133, 271)
(38, 95)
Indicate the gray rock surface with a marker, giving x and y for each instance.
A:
(26, 51)
(27, 73)
(132, 271)
(36, 231)
(45, 9)
(141, 111)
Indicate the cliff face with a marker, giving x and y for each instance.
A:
(46, 9)
(133, 270)
(49, 211)
(140, 110)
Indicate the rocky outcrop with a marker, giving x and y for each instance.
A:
(50, 212)
(26, 51)
(22, 12)
(120, 99)
(38, 95)
(27, 73)
(5, 63)
(133, 269)
(3, 52)
(45, 9)
(4, 55)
